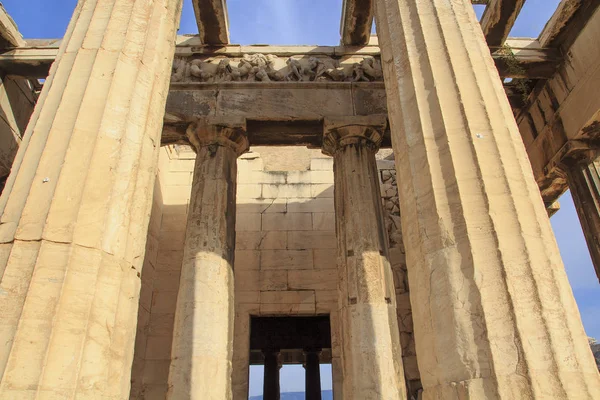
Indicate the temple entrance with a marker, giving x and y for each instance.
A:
(278, 341)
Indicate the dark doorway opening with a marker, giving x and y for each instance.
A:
(278, 341)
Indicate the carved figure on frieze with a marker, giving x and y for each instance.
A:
(371, 68)
(198, 70)
(358, 73)
(337, 74)
(180, 70)
(296, 72)
(273, 74)
(317, 69)
(262, 74)
(223, 71)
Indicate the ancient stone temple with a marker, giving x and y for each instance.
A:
(180, 207)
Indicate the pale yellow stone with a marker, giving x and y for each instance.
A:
(287, 222)
(482, 260)
(286, 259)
(311, 240)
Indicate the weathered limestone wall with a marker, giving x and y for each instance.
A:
(286, 249)
(285, 261)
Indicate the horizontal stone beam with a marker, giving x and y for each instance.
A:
(525, 58)
(213, 24)
(528, 58)
(9, 34)
(357, 21)
(498, 19)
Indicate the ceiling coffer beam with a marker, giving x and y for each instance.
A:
(357, 21)
(213, 24)
(498, 19)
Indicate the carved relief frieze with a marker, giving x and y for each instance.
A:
(271, 68)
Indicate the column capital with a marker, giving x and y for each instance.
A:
(340, 132)
(220, 131)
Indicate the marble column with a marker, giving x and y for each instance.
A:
(494, 315)
(271, 375)
(312, 382)
(584, 184)
(370, 343)
(76, 207)
(202, 350)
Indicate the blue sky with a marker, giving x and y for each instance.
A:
(317, 22)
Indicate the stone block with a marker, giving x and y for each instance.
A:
(155, 392)
(174, 222)
(177, 165)
(261, 240)
(411, 368)
(323, 221)
(158, 348)
(163, 302)
(293, 190)
(403, 302)
(321, 164)
(286, 259)
(161, 324)
(247, 297)
(177, 196)
(247, 280)
(310, 205)
(248, 191)
(248, 176)
(171, 240)
(273, 280)
(146, 296)
(405, 322)
(177, 178)
(156, 371)
(287, 222)
(322, 190)
(287, 302)
(247, 259)
(312, 279)
(169, 260)
(311, 240)
(248, 222)
(166, 281)
(325, 258)
(321, 177)
(327, 300)
(298, 177)
(263, 206)
(255, 164)
(397, 257)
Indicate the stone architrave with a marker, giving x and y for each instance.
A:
(201, 355)
(370, 343)
(76, 207)
(494, 315)
(584, 184)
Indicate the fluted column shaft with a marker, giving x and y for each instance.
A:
(201, 355)
(312, 381)
(584, 184)
(271, 390)
(371, 352)
(76, 206)
(494, 315)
